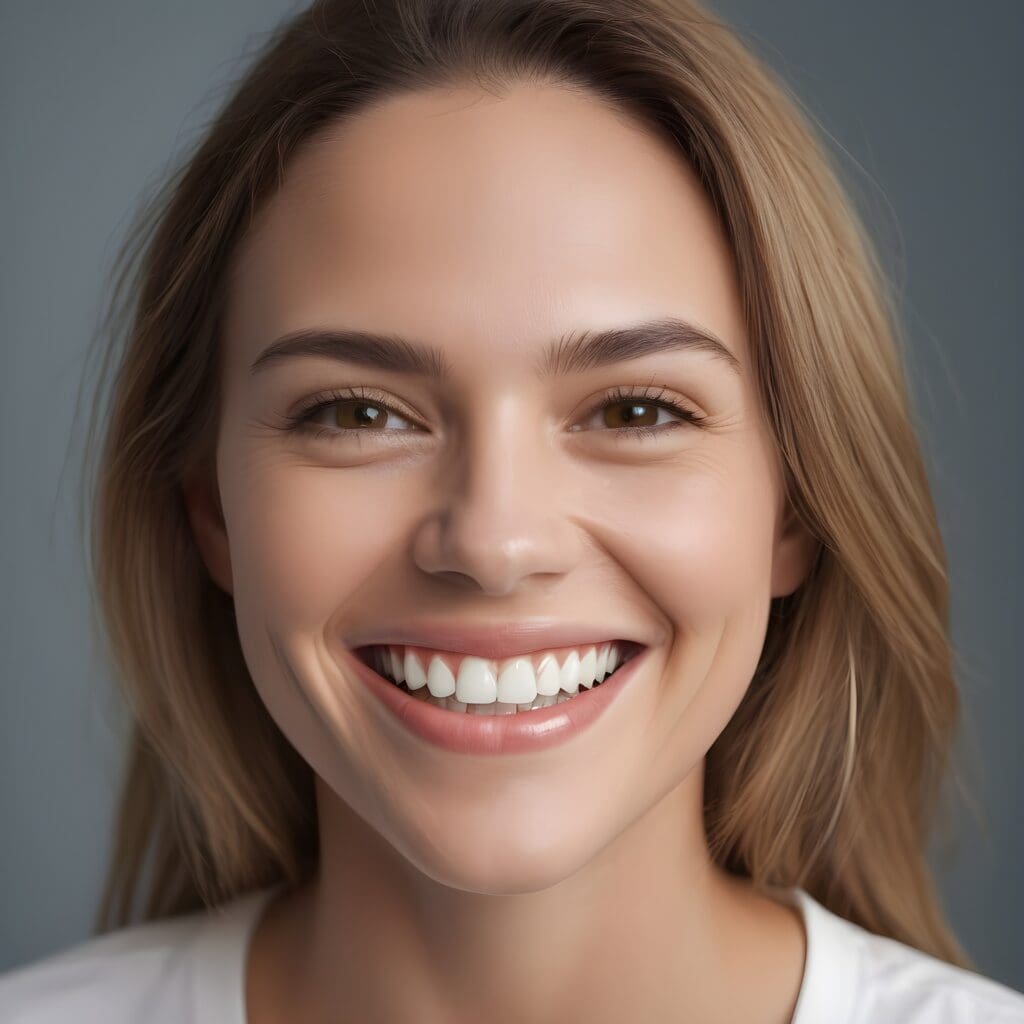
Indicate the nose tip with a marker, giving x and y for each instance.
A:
(494, 554)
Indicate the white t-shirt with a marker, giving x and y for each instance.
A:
(190, 969)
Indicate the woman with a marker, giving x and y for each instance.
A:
(513, 538)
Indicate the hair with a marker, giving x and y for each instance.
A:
(828, 775)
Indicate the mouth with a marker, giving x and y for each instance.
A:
(474, 685)
(476, 705)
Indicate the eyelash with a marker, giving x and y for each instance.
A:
(301, 422)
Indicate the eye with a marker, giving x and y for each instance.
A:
(634, 413)
(625, 412)
(353, 410)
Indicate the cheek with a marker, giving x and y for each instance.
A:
(702, 552)
(702, 549)
(304, 538)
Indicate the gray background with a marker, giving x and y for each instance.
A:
(922, 101)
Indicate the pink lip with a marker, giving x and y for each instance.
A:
(500, 640)
(522, 732)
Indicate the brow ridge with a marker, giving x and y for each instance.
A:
(574, 353)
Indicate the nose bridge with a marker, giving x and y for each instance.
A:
(499, 518)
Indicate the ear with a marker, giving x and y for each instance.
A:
(796, 550)
(205, 515)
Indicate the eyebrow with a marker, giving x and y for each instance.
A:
(576, 352)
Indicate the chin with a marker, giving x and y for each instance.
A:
(518, 858)
(502, 879)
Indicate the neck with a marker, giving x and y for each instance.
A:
(649, 929)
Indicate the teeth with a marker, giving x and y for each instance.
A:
(570, 674)
(486, 687)
(440, 680)
(549, 679)
(613, 659)
(517, 683)
(415, 677)
(588, 666)
(476, 683)
(397, 666)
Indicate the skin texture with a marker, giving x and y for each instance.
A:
(574, 883)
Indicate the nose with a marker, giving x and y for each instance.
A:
(502, 517)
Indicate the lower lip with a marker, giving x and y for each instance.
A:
(518, 733)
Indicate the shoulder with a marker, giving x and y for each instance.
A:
(182, 968)
(902, 983)
(112, 977)
(882, 980)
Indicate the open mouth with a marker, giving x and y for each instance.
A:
(478, 686)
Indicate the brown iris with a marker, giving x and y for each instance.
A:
(360, 414)
(632, 416)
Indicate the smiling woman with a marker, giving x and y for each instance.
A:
(516, 550)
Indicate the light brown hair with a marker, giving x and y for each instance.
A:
(828, 774)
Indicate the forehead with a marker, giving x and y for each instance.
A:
(486, 224)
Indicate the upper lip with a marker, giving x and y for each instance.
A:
(497, 640)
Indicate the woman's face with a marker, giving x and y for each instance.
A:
(488, 229)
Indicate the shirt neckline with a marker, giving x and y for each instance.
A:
(222, 955)
(828, 986)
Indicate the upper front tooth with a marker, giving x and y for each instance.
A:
(476, 683)
(517, 684)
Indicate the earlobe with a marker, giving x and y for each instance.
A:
(796, 550)
(208, 529)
